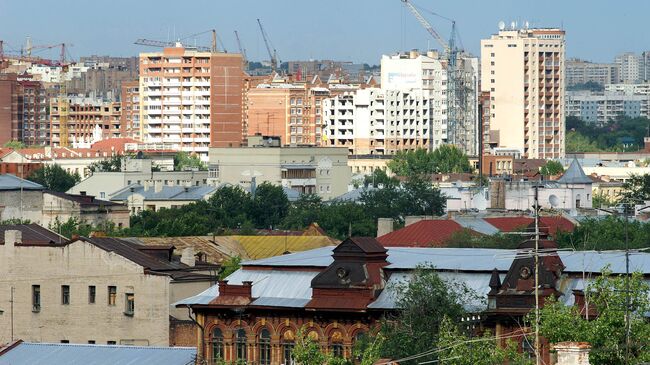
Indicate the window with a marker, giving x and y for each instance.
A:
(264, 342)
(92, 294)
(65, 341)
(287, 352)
(336, 350)
(240, 344)
(65, 294)
(217, 345)
(91, 342)
(36, 298)
(129, 304)
(111, 342)
(112, 295)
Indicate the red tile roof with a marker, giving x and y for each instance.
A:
(112, 144)
(511, 224)
(426, 233)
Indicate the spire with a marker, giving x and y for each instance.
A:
(575, 175)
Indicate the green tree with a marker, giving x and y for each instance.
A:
(445, 159)
(607, 332)
(304, 211)
(600, 200)
(424, 302)
(636, 189)
(16, 145)
(577, 142)
(307, 351)
(378, 178)
(229, 266)
(54, 177)
(184, 161)
(459, 349)
(74, 226)
(552, 168)
(111, 164)
(607, 233)
(270, 205)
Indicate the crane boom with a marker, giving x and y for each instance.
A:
(273, 54)
(161, 44)
(242, 50)
(426, 25)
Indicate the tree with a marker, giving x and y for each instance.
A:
(307, 351)
(229, 266)
(636, 189)
(605, 234)
(304, 211)
(577, 142)
(74, 226)
(607, 332)
(445, 159)
(54, 177)
(270, 205)
(600, 200)
(424, 302)
(16, 145)
(551, 168)
(459, 349)
(184, 161)
(111, 164)
(379, 178)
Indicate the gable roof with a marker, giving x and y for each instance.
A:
(60, 354)
(575, 175)
(511, 224)
(425, 233)
(166, 192)
(13, 182)
(33, 235)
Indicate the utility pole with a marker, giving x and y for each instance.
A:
(538, 359)
(626, 211)
(12, 313)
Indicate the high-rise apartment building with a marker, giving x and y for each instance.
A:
(581, 72)
(23, 110)
(130, 102)
(192, 100)
(523, 70)
(89, 120)
(603, 107)
(628, 67)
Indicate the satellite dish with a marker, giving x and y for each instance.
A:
(526, 24)
(554, 200)
(513, 25)
(502, 25)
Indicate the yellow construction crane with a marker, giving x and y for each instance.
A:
(63, 101)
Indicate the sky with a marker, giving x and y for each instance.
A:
(348, 30)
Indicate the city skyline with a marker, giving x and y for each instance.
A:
(360, 32)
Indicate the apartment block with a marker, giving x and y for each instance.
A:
(23, 110)
(582, 72)
(130, 107)
(292, 111)
(523, 70)
(89, 120)
(191, 99)
(628, 65)
(9, 125)
(602, 107)
(629, 89)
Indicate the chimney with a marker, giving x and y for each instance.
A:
(12, 237)
(384, 226)
(157, 186)
(646, 143)
(146, 185)
(414, 54)
(187, 257)
(572, 353)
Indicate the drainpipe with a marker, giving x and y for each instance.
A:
(200, 358)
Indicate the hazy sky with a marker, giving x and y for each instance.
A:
(355, 30)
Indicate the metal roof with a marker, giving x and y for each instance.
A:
(33, 235)
(12, 182)
(574, 175)
(476, 224)
(73, 354)
(166, 192)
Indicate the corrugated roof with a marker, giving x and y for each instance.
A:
(268, 246)
(12, 182)
(33, 234)
(574, 175)
(166, 192)
(477, 224)
(67, 354)
(511, 224)
(425, 233)
(129, 250)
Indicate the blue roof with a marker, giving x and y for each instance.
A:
(73, 354)
(166, 192)
(574, 175)
(12, 182)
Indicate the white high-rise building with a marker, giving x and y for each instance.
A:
(523, 72)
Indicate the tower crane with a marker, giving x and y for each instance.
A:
(454, 92)
(242, 50)
(63, 101)
(162, 44)
(273, 54)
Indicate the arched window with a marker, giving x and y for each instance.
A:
(217, 345)
(288, 342)
(264, 345)
(336, 344)
(240, 344)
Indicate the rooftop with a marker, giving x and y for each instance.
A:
(166, 192)
(12, 182)
(33, 235)
(64, 354)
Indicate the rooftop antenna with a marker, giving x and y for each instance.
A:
(502, 25)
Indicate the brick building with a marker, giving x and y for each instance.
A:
(130, 108)
(89, 120)
(191, 99)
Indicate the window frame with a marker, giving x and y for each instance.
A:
(129, 304)
(240, 345)
(264, 347)
(65, 294)
(112, 295)
(36, 298)
(216, 345)
(92, 294)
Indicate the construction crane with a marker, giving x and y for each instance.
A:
(242, 50)
(454, 87)
(63, 103)
(273, 54)
(162, 44)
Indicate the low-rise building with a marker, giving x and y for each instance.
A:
(153, 195)
(20, 199)
(308, 170)
(60, 207)
(92, 290)
(135, 171)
